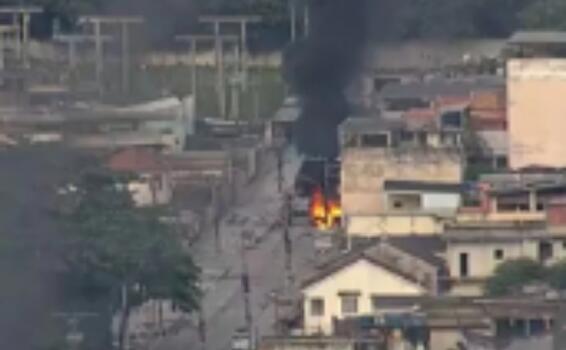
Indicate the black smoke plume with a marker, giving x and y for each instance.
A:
(320, 68)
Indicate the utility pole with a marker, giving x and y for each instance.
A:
(243, 22)
(202, 329)
(21, 17)
(293, 19)
(306, 19)
(246, 289)
(73, 41)
(124, 22)
(287, 221)
(5, 30)
(193, 40)
(280, 176)
(236, 83)
(216, 218)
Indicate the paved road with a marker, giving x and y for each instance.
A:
(223, 301)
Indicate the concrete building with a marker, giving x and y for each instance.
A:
(163, 124)
(518, 215)
(352, 284)
(421, 167)
(398, 97)
(536, 89)
(411, 207)
(475, 250)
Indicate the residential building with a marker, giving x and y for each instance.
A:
(411, 207)
(536, 44)
(535, 88)
(515, 197)
(396, 179)
(396, 98)
(474, 250)
(353, 283)
(152, 184)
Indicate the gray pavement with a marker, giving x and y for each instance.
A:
(223, 302)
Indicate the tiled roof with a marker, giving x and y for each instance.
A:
(136, 160)
(421, 247)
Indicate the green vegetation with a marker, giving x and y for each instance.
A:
(397, 19)
(510, 276)
(122, 254)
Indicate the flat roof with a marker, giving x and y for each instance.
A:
(370, 124)
(538, 37)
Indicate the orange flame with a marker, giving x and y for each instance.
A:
(325, 214)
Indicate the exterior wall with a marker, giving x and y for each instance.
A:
(363, 277)
(444, 202)
(385, 224)
(432, 54)
(536, 90)
(307, 343)
(445, 339)
(151, 190)
(501, 217)
(481, 260)
(468, 289)
(364, 172)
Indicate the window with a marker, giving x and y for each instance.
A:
(452, 119)
(545, 251)
(375, 304)
(498, 254)
(501, 162)
(317, 307)
(405, 201)
(349, 303)
(464, 268)
(513, 203)
(375, 140)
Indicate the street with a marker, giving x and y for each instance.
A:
(223, 304)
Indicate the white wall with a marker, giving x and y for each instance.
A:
(393, 224)
(151, 190)
(361, 276)
(446, 202)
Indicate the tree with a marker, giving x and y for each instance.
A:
(547, 14)
(556, 275)
(512, 275)
(126, 253)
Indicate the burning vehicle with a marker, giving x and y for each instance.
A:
(316, 194)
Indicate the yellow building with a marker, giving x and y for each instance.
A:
(355, 284)
(536, 88)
